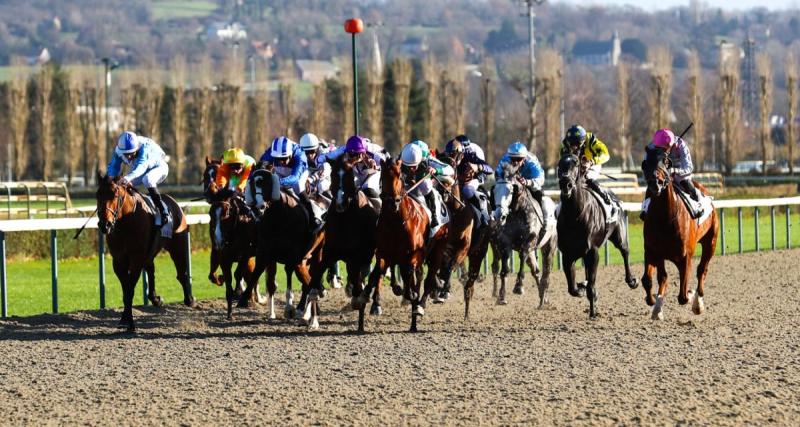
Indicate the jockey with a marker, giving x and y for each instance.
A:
(529, 173)
(455, 150)
(234, 171)
(592, 153)
(319, 175)
(147, 164)
(290, 164)
(418, 164)
(471, 150)
(681, 166)
(366, 169)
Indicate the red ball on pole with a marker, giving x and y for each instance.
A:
(354, 26)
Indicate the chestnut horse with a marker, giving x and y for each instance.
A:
(403, 224)
(582, 229)
(133, 241)
(670, 234)
(350, 233)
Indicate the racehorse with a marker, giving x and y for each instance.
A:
(403, 224)
(133, 241)
(284, 237)
(518, 229)
(233, 234)
(350, 233)
(670, 234)
(582, 229)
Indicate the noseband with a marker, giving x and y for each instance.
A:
(115, 212)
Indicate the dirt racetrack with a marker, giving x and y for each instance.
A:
(739, 363)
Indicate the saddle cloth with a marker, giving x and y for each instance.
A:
(166, 230)
(443, 216)
(611, 211)
(694, 207)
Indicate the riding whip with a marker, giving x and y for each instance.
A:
(686, 130)
(449, 193)
(80, 230)
(413, 187)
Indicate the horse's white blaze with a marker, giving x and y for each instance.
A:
(658, 313)
(217, 229)
(271, 307)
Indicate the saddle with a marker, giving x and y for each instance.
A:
(700, 210)
(610, 210)
(166, 229)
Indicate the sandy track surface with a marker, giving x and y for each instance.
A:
(736, 364)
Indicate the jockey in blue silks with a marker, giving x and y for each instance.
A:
(147, 163)
(529, 173)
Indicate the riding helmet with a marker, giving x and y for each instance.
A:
(576, 135)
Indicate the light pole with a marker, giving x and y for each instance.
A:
(532, 82)
(110, 64)
(354, 26)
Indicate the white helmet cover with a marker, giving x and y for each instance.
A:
(309, 142)
(411, 155)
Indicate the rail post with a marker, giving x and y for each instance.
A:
(3, 293)
(189, 257)
(28, 192)
(739, 216)
(772, 225)
(8, 203)
(758, 237)
(46, 200)
(54, 268)
(788, 227)
(722, 226)
(101, 268)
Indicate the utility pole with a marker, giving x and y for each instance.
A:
(532, 83)
(110, 64)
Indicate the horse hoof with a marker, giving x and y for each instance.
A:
(157, 301)
(356, 303)
(348, 290)
(397, 290)
(289, 313)
(633, 283)
(376, 310)
(192, 303)
(272, 316)
(313, 325)
(418, 311)
(405, 302)
(682, 300)
(519, 290)
(502, 302)
(336, 283)
(243, 303)
(649, 300)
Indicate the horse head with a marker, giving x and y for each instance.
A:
(568, 174)
(225, 217)
(111, 195)
(504, 192)
(655, 168)
(391, 185)
(209, 177)
(343, 184)
(264, 186)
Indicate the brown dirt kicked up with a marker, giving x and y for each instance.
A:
(736, 364)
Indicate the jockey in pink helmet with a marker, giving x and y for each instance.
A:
(680, 158)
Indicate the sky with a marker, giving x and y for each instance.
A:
(665, 4)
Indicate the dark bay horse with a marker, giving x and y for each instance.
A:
(402, 225)
(284, 236)
(582, 229)
(350, 233)
(133, 241)
(670, 234)
(518, 228)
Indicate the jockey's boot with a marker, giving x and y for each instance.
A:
(316, 223)
(430, 200)
(156, 196)
(480, 208)
(690, 189)
(599, 190)
(538, 195)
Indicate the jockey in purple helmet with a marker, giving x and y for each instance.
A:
(147, 163)
(366, 169)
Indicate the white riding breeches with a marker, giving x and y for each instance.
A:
(593, 172)
(372, 180)
(470, 188)
(153, 177)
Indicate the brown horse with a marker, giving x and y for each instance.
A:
(133, 240)
(670, 234)
(403, 224)
(350, 233)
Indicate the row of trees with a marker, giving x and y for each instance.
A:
(56, 121)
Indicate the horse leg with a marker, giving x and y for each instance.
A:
(576, 290)
(272, 286)
(359, 300)
(252, 281)
(495, 269)
(505, 256)
(226, 266)
(524, 256)
(661, 275)
(620, 242)
(684, 267)
(413, 290)
(177, 248)
(709, 245)
(128, 286)
(305, 307)
(213, 266)
(150, 270)
(376, 309)
(288, 304)
(647, 279)
(590, 262)
(533, 263)
(549, 251)
(333, 276)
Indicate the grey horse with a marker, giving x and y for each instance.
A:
(516, 225)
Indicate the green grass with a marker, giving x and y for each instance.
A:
(169, 9)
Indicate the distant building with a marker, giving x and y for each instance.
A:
(224, 31)
(414, 46)
(596, 52)
(315, 71)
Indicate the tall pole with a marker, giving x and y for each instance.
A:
(355, 87)
(532, 81)
(106, 62)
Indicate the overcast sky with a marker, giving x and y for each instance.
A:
(664, 4)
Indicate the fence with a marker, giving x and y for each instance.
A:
(29, 192)
(74, 223)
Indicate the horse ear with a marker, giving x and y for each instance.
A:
(100, 175)
(208, 161)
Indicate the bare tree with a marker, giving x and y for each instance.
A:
(454, 99)
(345, 99)
(661, 75)
(147, 104)
(488, 104)
(731, 107)
(791, 89)
(623, 115)
(431, 75)
(286, 97)
(695, 80)
(178, 74)
(764, 72)
(45, 89)
(18, 118)
(318, 109)
(256, 117)
(374, 113)
(72, 147)
(549, 73)
(402, 72)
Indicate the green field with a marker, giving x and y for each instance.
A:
(169, 9)
(29, 285)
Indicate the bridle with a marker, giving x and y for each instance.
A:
(109, 225)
